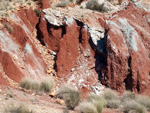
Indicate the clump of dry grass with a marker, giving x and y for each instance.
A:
(94, 5)
(8, 27)
(18, 109)
(94, 104)
(144, 100)
(133, 107)
(111, 98)
(127, 96)
(63, 3)
(87, 107)
(70, 95)
(45, 85)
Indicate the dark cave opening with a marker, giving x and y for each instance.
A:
(128, 82)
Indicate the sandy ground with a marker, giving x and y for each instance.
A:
(39, 103)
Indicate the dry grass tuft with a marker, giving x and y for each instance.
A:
(127, 96)
(19, 109)
(45, 85)
(133, 107)
(94, 5)
(70, 95)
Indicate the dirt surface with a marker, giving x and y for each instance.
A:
(39, 103)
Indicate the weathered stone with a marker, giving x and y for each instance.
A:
(127, 49)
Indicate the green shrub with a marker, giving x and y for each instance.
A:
(29, 3)
(35, 85)
(47, 85)
(37, 12)
(72, 100)
(63, 3)
(63, 91)
(98, 101)
(87, 107)
(94, 5)
(94, 104)
(8, 27)
(109, 95)
(144, 100)
(19, 109)
(30, 84)
(132, 106)
(99, 104)
(127, 96)
(70, 96)
(26, 83)
(113, 104)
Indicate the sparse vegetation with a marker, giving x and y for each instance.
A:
(133, 107)
(87, 107)
(63, 3)
(26, 83)
(94, 104)
(94, 5)
(45, 85)
(127, 96)
(19, 109)
(111, 98)
(8, 27)
(114, 104)
(109, 95)
(71, 96)
(129, 102)
(144, 100)
(37, 12)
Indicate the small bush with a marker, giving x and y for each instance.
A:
(47, 85)
(26, 83)
(63, 91)
(94, 104)
(35, 85)
(98, 101)
(95, 97)
(72, 100)
(63, 3)
(70, 96)
(109, 95)
(113, 104)
(37, 12)
(8, 27)
(99, 104)
(19, 109)
(94, 5)
(87, 107)
(132, 106)
(144, 100)
(127, 96)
